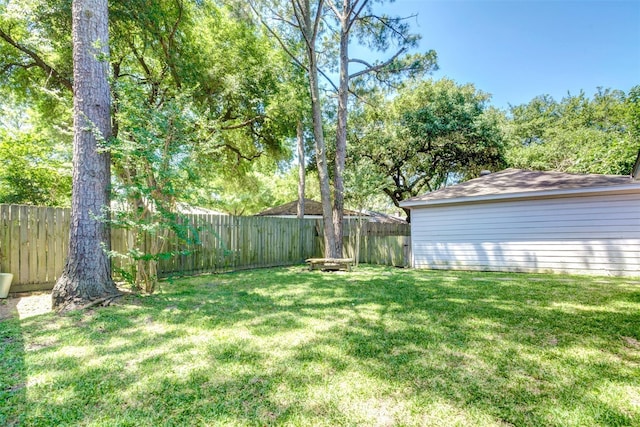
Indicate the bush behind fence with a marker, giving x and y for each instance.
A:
(34, 243)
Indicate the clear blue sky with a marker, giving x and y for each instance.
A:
(519, 49)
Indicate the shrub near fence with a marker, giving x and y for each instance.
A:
(34, 242)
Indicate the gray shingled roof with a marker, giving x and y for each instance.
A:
(312, 207)
(517, 181)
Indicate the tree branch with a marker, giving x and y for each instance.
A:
(377, 67)
(392, 195)
(168, 45)
(140, 60)
(48, 69)
(334, 9)
(355, 15)
(243, 124)
(277, 37)
(386, 24)
(239, 153)
(104, 301)
(279, 17)
(299, 14)
(174, 30)
(361, 61)
(11, 65)
(316, 22)
(323, 74)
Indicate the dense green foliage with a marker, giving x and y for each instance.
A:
(238, 82)
(200, 96)
(430, 133)
(577, 134)
(209, 81)
(34, 168)
(379, 346)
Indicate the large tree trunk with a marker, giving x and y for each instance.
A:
(87, 272)
(301, 187)
(323, 172)
(408, 212)
(318, 133)
(341, 131)
(301, 170)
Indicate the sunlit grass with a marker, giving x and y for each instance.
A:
(375, 347)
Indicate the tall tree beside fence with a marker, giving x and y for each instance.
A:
(87, 272)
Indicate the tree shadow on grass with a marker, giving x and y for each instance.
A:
(502, 345)
(522, 354)
(380, 346)
(12, 371)
(496, 347)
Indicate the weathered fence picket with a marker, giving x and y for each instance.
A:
(34, 244)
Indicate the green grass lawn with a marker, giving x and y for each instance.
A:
(375, 347)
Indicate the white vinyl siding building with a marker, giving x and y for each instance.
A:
(535, 227)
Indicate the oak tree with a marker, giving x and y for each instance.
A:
(578, 134)
(431, 133)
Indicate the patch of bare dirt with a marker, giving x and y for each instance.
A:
(25, 305)
(631, 342)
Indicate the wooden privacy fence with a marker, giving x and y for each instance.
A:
(33, 245)
(375, 242)
(34, 242)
